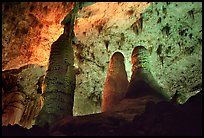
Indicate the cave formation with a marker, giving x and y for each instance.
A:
(67, 79)
(60, 79)
(116, 82)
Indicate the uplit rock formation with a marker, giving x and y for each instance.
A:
(142, 88)
(60, 79)
(142, 82)
(101, 32)
(116, 83)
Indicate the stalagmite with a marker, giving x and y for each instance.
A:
(142, 83)
(142, 88)
(116, 82)
(60, 79)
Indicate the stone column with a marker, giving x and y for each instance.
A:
(116, 82)
(60, 80)
(142, 83)
(59, 83)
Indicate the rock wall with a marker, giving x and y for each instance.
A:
(28, 30)
(173, 32)
(21, 97)
(170, 31)
(103, 34)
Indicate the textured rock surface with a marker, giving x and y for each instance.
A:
(60, 78)
(142, 82)
(29, 29)
(21, 98)
(102, 35)
(171, 31)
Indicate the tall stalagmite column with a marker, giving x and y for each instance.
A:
(116, 82)
(142, 83)
(60, 78)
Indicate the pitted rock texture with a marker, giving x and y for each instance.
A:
(21, 98)
(60, 80)
(28, 30)
(171, 31)
(102, 35)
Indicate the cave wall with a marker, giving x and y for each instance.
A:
(28, 30)
(103, 34)
(21, 97)
(170, 31)
(174, 34)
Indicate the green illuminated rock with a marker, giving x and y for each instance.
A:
(142, 82)
(60, 78)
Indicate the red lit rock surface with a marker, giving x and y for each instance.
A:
(116, 83)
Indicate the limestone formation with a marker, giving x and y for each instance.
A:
(60, 80)
(20, 100)
(116, 82)
(142, 82)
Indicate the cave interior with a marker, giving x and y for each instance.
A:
(102, 68)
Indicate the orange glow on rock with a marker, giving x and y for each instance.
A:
(116, 83)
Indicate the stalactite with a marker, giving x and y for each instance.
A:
(19, 109)
(116, 82)
(14, 108)
(31, 108)
(20, 105)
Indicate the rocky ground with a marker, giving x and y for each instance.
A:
(160, 119)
